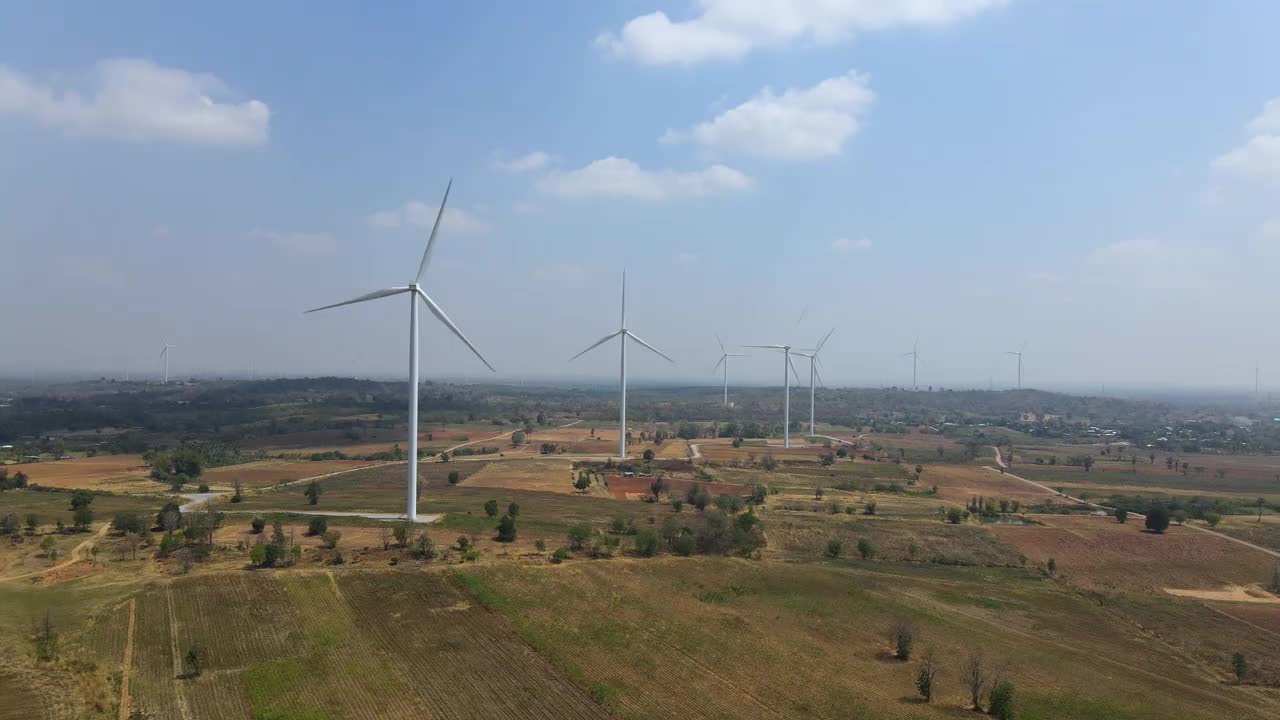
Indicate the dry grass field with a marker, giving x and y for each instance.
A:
(541, 475)
(266, 473)
(725, 452)
(959, 483)
(1100, 554)
(116, 473)
(1247, 474)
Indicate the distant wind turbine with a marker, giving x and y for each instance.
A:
(415, 293)
(915, 359)
(814, 377)
(724, 360)
(164, 355)
(623, 333)
(1019, 354)
(786, 388)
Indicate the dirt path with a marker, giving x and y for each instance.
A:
(178, 696)
(1053, 492)
(499, 437)
(695, 452)
(77, 554)
(127, 663)
(423, 519)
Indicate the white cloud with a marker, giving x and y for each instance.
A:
(845, 246)
(420, 214)
(799, 124)
(138, 101)
(685, 261)
(1259, 157)
(302, 242)
(729, 29)
(535, 160)
(614, 176)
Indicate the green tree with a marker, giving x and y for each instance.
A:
(646, 543)
(1212, 519)
(1121, 514)
(82, 517)
(313, 492)
(927, 676)
(257, 524)
(331, 538)
(1239, 666)
(1158, 519)
(454, 477)
(834, 548)
(578, 536)
(903, 635)
(1000, 703)
(866, 549)
(491, 508)
(193, 661)
(648, 455)
(513, 509)
(401, 533)
(317, 526)
(507, 529)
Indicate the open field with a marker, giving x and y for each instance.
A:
(1098, 553)
(541, 475)
(844, 473)
(773, 640)
(266, 473)
(1251, 474)
(115, 473)
(23, 554)
(804, 535)
(54, 506)
(637, 487)
(724, 451)
(1247, 528)
(959, 483)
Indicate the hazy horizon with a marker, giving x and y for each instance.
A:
(1097, 182)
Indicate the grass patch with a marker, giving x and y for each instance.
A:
(271, 686)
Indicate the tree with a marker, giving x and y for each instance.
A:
(46, 639)
(518, 438)
(513, 509)
(1000, 705)
(317, 526)
(193, 661)
(1213, 519)
(1051, 566)
(698, 496)
(454, 477)
(1087, 462)
(313, 492)
(866, 549)
(331, 538)
(507, 529)
(648, 455)
(81, 498)
(954, 516)
(238, 487)
(834, 548)
(974, 676)
(9, 524)
(870, 508)
(578, 536)
(1158, 519)
(902, 635)
(1121, 515)
(257, 524)
(47, 545)
(491, 508)
(424, 548)
(646, 543)
(729, 503)
(769, 462)
(925, 678)
(1261, 502)
(1239, 667)
(401, 533)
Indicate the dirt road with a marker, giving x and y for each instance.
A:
(77, 554)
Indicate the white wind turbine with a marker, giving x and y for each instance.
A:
(724, 360)
(915, 359)
(814, 377)
(415, 293)
(1019, 354)
(786, 388)
(624, 333)
(164, 355)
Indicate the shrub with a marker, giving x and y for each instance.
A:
(1121, 515)
(560, 555)
(506, 529)
(954, 515)
(317, 526)
(424, 548)
(646, 543)
(541, 544)
(902, 635)
(491, 508)
(1239, 667)
(464, 543)
(313, 492)
(127, 522)
(866, 549)
(1213, 519)
(729, 503)
(834, 548)
(870, 509)
(677, 505)
(331, 538)
(1000, 703)
(925, 678)
(1158, 519)
(513, 509)
(683, 545)
(454, 477)
(578, 536)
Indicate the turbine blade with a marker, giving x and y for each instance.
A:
(824, 339)
(367, 296)
(819, 376)
(767, 347)
(722, 350)
(633, 336)
(793, 368)
(597, 344)
(624, 300)
(717, 367)
(431, 241)
(165, 350)
(435, 310)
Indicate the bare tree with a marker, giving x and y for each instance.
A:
(901, 635)
(927, 675)
(975, 677)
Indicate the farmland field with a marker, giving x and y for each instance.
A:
(959, 483)
(1098, 553)
(1251, 476)
(266, 473)
(52, 507)
(543, 475)
(117, 473)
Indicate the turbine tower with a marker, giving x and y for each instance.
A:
(415, 293)
(623, 333)
(164, 355)
(786, 388)
(1019, 354)
(814, 376)
(915, 358)
(724, 360)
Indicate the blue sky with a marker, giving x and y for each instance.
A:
(1095, 179)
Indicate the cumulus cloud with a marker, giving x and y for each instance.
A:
(138, 101)
(619, 177)
(799, 124)
(301, 242)
(846, 246)
(730, 29)
(1259, 157)
(535, 160)
(420, 214)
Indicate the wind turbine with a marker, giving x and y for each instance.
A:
(164, 355)
(814, 377)
(915, 358)
(724, 360)
(624, 333)
(786, 388)
(415, 293)
(1019, 354)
